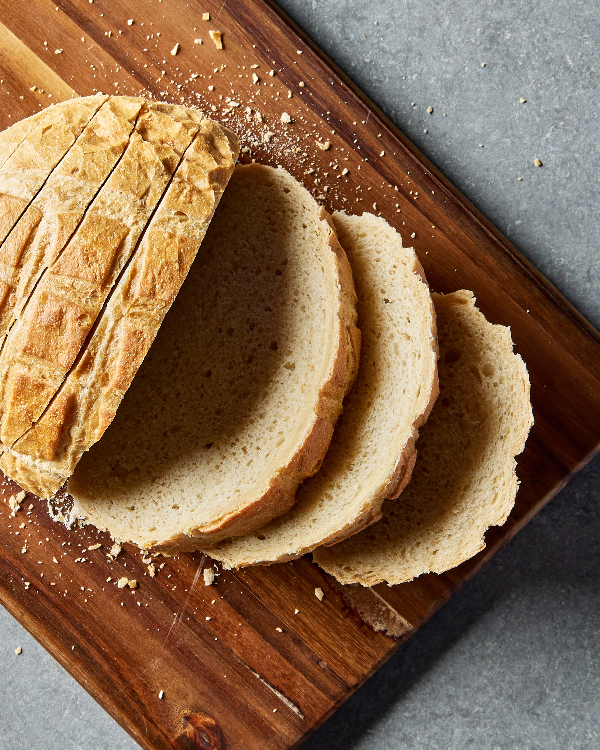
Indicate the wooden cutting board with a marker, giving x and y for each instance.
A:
(239, 669)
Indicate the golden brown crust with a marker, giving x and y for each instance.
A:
(57, 321)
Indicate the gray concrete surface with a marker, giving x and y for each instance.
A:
(513, 661)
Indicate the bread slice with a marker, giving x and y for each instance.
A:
(81, 258)
(464, 480)
(236, 401)
(372, 452)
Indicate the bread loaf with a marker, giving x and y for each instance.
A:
(464, 479)
(236, 401)
(372, 451)
(76, 259)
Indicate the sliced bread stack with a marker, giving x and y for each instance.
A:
(222, 442)
(99, 180)
(236, 401)
(373, 448)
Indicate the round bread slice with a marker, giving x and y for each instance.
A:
(464, 479)
(236, 401)
(372, 452)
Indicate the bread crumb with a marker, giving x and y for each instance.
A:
(14, 502)
(209, 576)
(519, 179)
(33, 88)
(197, 41)
(18, 650)
(115, 549)
(538, 163)
(522, 101)
(324, 146)
(217, 37)
(206, 16)
(255, 78)
(27, 584)
(58, 51)
(285, 118)
(122, 582)
(345, 171)
(133, 584)
(382, 153)
(279, 630)
(175, 49)
(296, 611)
(268, 136)
(319, 594)
(430, 110)
(94, 546)
(302, 84)
(413, 235)
(151, 570)
(162, 692)
(483, 65)
(130, 22)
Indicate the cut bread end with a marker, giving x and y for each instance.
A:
(237, 399)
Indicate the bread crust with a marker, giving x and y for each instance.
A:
(43, 366)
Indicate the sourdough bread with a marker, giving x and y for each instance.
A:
(42, 231)
(464, 480)
(29, 151)
(236, 401)
(372, 451)
(73, 263)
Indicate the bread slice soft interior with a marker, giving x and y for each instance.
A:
(372, 451)
(236, 400)
(464, 479)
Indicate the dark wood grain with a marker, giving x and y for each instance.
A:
(256, 661)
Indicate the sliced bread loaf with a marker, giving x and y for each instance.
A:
(236, 401)
(464, 480)
(76, 259)
(88, 398)
(372, 451)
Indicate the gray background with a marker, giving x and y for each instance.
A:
(513, 661)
